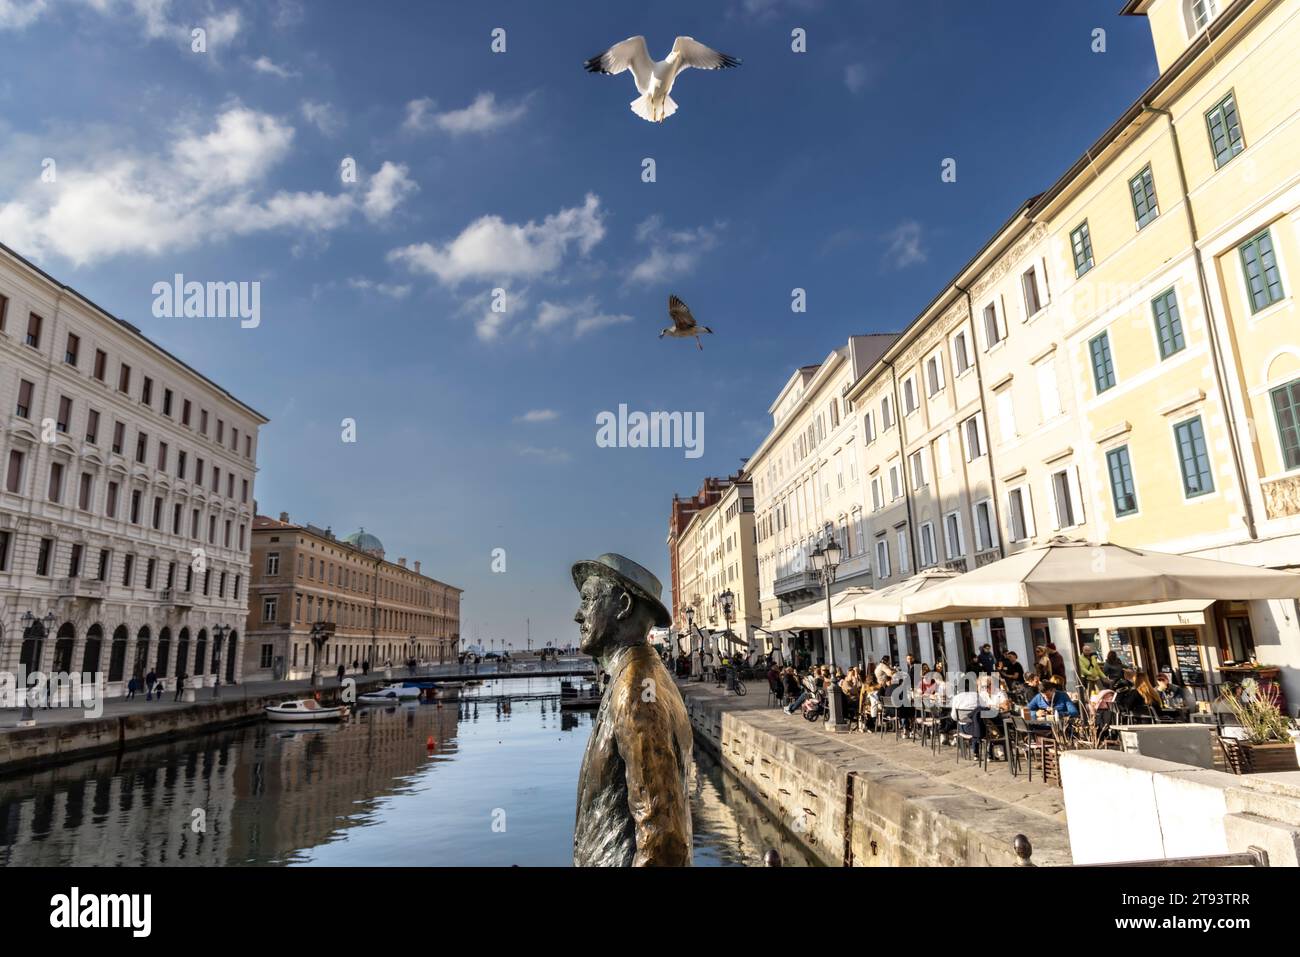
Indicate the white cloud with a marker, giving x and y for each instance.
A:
(265, 64)
(580, 318)
(549, 456)
(490, 247)
(538, 415)
(386, 190)
(17, 14)
(156, 18)
(323, 116)
(489, 326)
(670, 253)
(481, 116)
(391, 290)
(906, 245)
(856, 77)
(211, 185)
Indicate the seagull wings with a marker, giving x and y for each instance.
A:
(680, 313)
(632, 55)
(691, 52)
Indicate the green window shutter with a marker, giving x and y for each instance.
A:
(1121, 481)
(1103, 368)
(1142, 187)
(1193, 458)
(1263, 279)
(1169, 326)
(1081, 244)
(1225, 130)
(1286, 406)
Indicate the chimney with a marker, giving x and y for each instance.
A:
(284, 518)
(402, 562)
(417, 568)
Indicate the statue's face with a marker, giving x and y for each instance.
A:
(598, 615)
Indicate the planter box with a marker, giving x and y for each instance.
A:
(1266, 758)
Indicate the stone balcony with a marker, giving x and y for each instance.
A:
(800, 582)
(81, 588)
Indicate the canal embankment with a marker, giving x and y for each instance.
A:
(66, 734)
(868, 800)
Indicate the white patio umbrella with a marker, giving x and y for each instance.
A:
(1063, 575)
(884, 606)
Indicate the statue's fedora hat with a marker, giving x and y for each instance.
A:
(626, 573)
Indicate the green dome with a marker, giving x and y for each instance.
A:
(365, 541)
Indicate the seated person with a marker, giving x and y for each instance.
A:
(1051, 699)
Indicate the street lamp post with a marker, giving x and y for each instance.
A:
(220, 632)
(825, 560)
(728, 600)
(30, 623)
(690, 639)
(319, 635)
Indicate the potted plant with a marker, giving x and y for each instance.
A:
(1267, 742)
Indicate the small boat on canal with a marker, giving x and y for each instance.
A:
(579, 696)
(305, 709)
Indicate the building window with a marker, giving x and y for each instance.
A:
(1143, 191)
(1064, 499)
(869, 428)
(4, 312)
(1199, 13)
(1081, 248)
(1103, 367)
(34, 331)
(952, 536)
(960, 354)
(904, 561)
(110, 503)
(92, 427)
(882, 558)
(993, 329)
(43, 557)
(101, 364)
(56, 482)
(24, 407)
(886, 414)
(986, 529)
(124, 378)
(128, 570)
(973, 433)
(895, 484)
(909, 395)
(1121, 481)
(185, 412)
(167, 402)
(928, 554)
(1020, 515)
(74, 561)
(86, 492)
(73, 347)
(1193, 458)
(141, 447)
(1225, 130)
(917, 463)
(65, 414)
(4, 545)
(14, 476)
(268, 608)
(267, 651)
(934, 374)
(1006, 415)
(877, 497)
(1169, 327)
(1029, 288)
(119, 436)
(1259, 263)
(146, 391)
(1286, 406)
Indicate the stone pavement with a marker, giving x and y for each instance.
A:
(766, 743)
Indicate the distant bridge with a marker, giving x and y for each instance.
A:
(497, 669)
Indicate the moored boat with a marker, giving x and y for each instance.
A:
(305, 709)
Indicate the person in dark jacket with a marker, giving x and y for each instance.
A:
(150, 680)
(180, 685)
(1113, 669)
(985, 661)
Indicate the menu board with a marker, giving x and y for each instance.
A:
(1120, 644)
(1187, 653)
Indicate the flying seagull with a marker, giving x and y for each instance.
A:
(654, 81)
(683, 326)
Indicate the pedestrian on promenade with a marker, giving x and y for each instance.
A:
(131, 687)
(1057, 661)
(150, 680)
(365, 666)
(985, 660)
(160, 689)
(180, 685)
(342, 671)
(1090, 671)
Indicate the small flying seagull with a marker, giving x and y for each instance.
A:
(654, 81)
(683, 326)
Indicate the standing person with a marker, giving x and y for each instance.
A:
(985, 661)
(1090, 671)
(131, 687)
(150, 680)
(341, 672)
(365, 666)
(1113, 669)
(180, 685)
(1057, 662)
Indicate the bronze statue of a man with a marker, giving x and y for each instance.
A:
(633, 808)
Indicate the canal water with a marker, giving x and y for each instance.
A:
(490, 780)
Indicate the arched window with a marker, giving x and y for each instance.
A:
(231, 652)
(63, 648)
(200, 651)
(141, 666)
(164, 652)
(90, 659)
(117, 654)
(183, 653)
(1198, 14)
(33, 647)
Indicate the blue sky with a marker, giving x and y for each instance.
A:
(517, 170)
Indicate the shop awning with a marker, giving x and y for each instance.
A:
(1160, 613)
